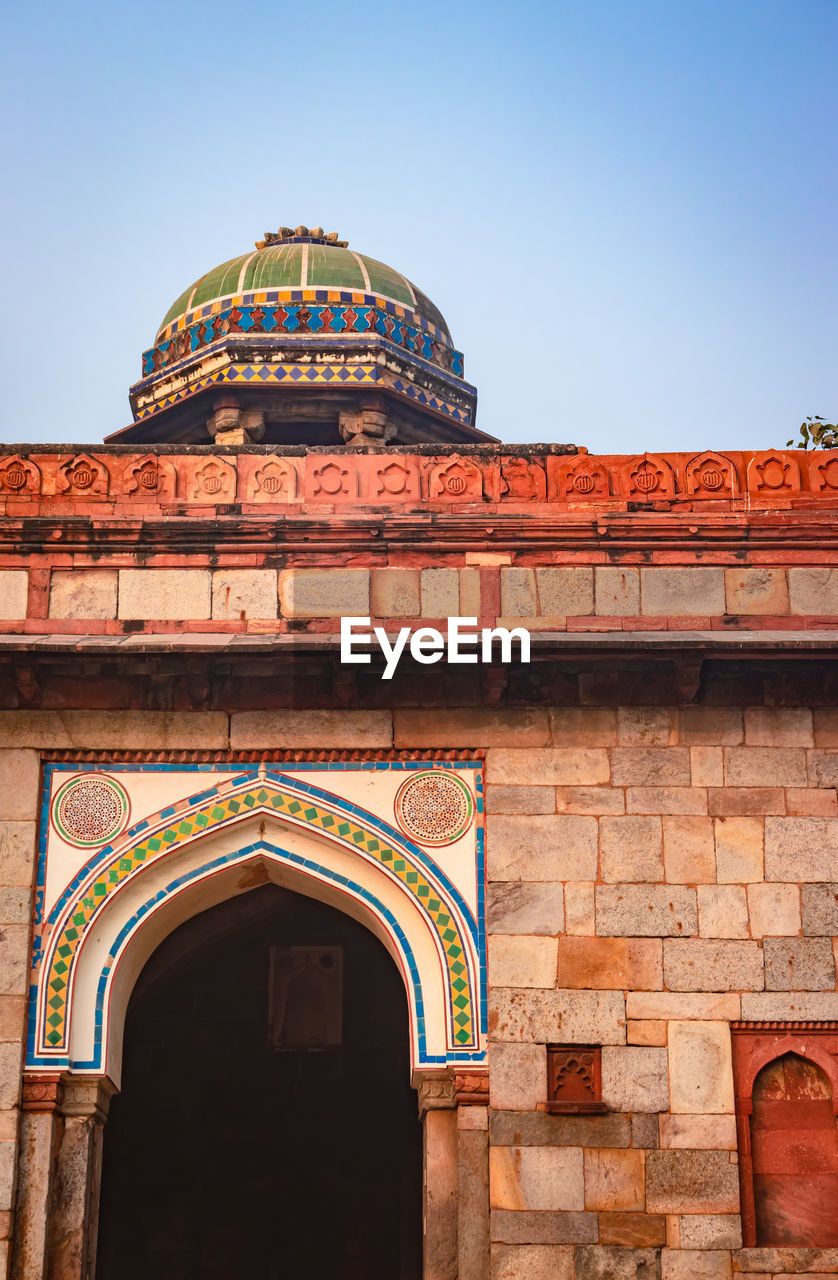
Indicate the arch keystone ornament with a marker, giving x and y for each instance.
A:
(109, 892)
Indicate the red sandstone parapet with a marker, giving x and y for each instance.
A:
(256, 480)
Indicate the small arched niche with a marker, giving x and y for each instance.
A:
(794, 1147)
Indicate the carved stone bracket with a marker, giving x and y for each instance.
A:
(688, 675)
(435, 1092)
(87, 1096)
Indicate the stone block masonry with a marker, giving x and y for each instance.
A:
(575, 599)
(675, 924)
(644, 933)
(661, 839)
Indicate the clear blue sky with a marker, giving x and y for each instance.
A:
(626, 209)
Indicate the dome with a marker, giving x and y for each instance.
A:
(302, 341)
(305, 262)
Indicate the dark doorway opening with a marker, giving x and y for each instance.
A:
(226, 1156)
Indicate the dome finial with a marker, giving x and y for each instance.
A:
(301, 234)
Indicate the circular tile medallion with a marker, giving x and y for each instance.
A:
(90, 810)
(435, 807)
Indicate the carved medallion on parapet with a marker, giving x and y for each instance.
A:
(151, 477)
(824, 475)
(275, 481)
(332, 482)
(395, 480)
(19, 477)
(711, 475)
(457, 480)
(84, 477)
(648, 478)
(773, 473)
(581, 480)
(522, 480)
(214, 482)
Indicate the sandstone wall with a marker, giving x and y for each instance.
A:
(656, 871)
(654, 874)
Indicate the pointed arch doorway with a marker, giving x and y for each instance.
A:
(189, 837)
(232, 1149)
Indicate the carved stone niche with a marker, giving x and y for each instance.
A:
(19, 477)
(773, 473)
(84, 476)
(151, 477)
(648, 478)
(711, 475)
(522, 480)
(457, 480)
(574, 1079)
(785, 1078)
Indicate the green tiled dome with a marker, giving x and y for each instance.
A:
(307, 263)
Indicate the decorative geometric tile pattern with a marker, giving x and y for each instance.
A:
(302, 312)
(90, 810)
(271, 374)
(434, 808)
(300, 809)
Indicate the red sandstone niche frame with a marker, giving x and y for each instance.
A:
(203, 831)
(786, 1085)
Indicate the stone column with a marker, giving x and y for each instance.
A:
(472, 1097)
(38, 1128)
(78, 1173)
(438, 1112)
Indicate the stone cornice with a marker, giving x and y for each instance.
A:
(821, 642)
(813, 529)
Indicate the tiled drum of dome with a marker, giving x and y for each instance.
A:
(307, 373)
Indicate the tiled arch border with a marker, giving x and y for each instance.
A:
(263, 848)
(466, 981)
